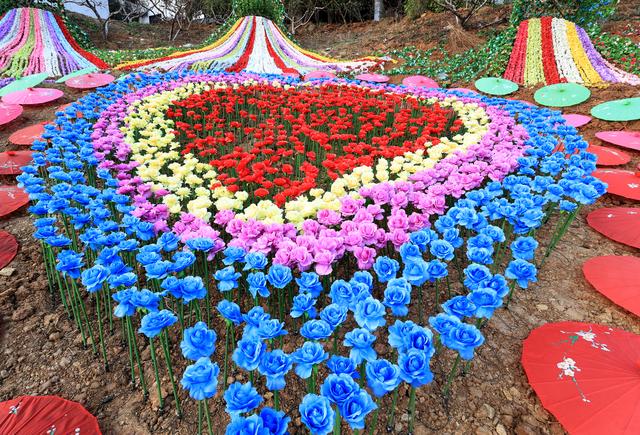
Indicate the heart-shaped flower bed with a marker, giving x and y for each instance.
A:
(412, 220)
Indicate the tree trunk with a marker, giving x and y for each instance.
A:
(377, 10)
(105, 30)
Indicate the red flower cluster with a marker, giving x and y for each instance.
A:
(270, 141)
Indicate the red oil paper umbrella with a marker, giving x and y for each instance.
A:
(374, 78)
(608, 156)
(89, 81)
(621, 182)
(46, 415)
(621, 224)
(27, 135)
(33, 96)
(8, 248)
(9, 112)
(617, 277)
(12, 161)
(575, 120)
(420, 82)
(587, 375)
(625, 139)
(12, 198)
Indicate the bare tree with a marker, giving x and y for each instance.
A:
(378, 8)
(123, 9)
(462, 10)
(297, 20)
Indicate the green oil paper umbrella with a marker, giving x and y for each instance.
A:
(77, 73)
(627, 109)
(562, 95)
(496, 86)
(24, 83)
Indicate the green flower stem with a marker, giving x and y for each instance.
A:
(107, 300)
(125, 331)
(200, 412)
(512, 288)
(452, 373)
(76, 292)
(276, 400)
(102, 344)
(155, 372)
(376, 414)
(337, 422)
(226, 351)
(164, 339)
(208, 415)
(363, 367)
(136, 353)
(412, 409)
(392, 415)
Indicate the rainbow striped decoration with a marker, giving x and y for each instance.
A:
(253, 44)
(37, 41)
(552, 50)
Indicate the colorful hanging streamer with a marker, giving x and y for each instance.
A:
(35, 41)
(253, 44)
(552, 50)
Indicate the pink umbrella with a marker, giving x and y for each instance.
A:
(575, 120)
(89, 81)
(27, 135)
(319, 74)
(625, 139)
(420, 82)
(375, 78)
(12, 161)
(9, 112)
(33, 96)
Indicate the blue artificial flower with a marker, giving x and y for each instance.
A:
(486, 301)
(279, 276)
(382, 376)
(476, 275)
(316, 330)
(386, 268)
(355, 409)
(523, 248)
(155, 322)
(369, 314)
(125, 306)
(341, 364)
(308, 355)
(338, 388)
(255, 260)
(70, 263)
(410, 252)
(254, 425)
(443, 323)
(397, 296)
(182, 260)
(258, 284)
(145, 299)
(146, 256)
(227, 278)
(248, 352)
(230, 311)
(463, 338)
(198, 342)
(460, 307)
(316, 414)
(169, 241)
(494, 233)
(309, 282)
(274, 366)
(158, 270)
(93, 277)
(254, 317)
(270, 329)
(334, 315)
(416, 272)
(303, 303)
(480, 255)
(499, 284)
(452, 235)
(414, 367)
(442, 249)
(172, 285)
(342, 293)
(422, 238)
(522, 271)
(204, 244)
(362, 277)
(437, 270)
(233, 254)
(360, 341)
(192, 288)
(275, 421)
(201, 379)
(241, 398)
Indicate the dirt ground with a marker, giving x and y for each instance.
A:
(41, 351)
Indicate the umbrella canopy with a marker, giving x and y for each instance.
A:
(587, 375)
(624, 139)
(617, 277)
(8, 249)
(45, 415)
(32, 96)
(608, 156)
(575, 120)
(319, 74)
(621, 182)
(24, 83)
(496, 86)
(12, 161)
(621, 224)
(27, 135)
(562, 95)
(89, 81)
(12, 198)
(627, 109)
(9, 112)
(420, 82)
(80, 72)
(374, 78)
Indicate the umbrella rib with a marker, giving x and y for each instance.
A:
(599, 411)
